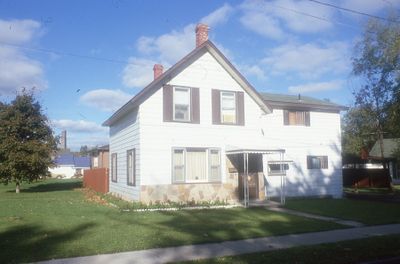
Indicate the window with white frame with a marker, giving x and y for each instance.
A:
(228, 107)
(276, 168)
(130, 163)
(114, 167)
(196, 165)
(317, 162)
(181, 104)
(215, 165)
(178, 160)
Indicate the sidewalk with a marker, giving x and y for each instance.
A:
(229, 248)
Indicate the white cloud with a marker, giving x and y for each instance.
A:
(262, 24)
(138, 73)
(78, 126)
(253, 70)
(173, 46)
(105, 100)
(219, 16)
(316, 87)
(272, 18)
(18, 31)
(17, 70)
(308, 61)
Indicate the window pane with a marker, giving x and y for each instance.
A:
(315, 163)
(179, 174)
(131, 167)
(297, 118)
(182, 104)
(228, 107)
(196, 165)
(215, 165)
(179, 165)
(181, 112)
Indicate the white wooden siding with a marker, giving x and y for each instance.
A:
(124, 135)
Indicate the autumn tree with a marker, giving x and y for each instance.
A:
(26, 141)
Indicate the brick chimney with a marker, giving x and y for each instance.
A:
(158, 70)
(201, 34)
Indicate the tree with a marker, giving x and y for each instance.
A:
(377, 61)
(358, 132)
(26, 141)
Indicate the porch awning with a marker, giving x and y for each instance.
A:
(241, 150)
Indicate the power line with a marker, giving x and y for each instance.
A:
(316, 17)
(353, 11)
(65, 53)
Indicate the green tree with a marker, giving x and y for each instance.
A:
(26, 141)
(376, 61)
(358, 132)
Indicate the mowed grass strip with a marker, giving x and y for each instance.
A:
(367, 212)
(52, 219)
(352, 251)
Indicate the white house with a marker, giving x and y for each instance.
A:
(68, 165)
(197, 128)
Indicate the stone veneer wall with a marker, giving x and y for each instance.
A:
(188, 192)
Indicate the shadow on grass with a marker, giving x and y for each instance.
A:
(208, 226)
(32, 243)
(53, 187)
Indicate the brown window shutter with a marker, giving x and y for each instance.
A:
(309, 162)
(216, 106)
(324, 162)
(286, 117)
(240, 108)
(168, 92)
(307, 118)
(195, 107)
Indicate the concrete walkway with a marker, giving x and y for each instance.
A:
(317, 217)
(229, 248)
(276, 207)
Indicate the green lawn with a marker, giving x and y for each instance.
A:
(354, 251)
(52, 219)
(367, 212)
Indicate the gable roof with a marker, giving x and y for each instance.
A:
(156, 84)
(296, 101)
(389, 146)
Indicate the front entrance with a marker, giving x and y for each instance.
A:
(255, 176)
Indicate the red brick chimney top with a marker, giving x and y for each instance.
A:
(158, 70)
(201, 34)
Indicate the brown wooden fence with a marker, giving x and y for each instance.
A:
(366, 177)
(96, 179)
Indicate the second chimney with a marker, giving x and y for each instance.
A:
(201, 34)
(158, 70)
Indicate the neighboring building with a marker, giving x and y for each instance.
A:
(199, 129)
(102, 159)
(390, 145)
(68, 165)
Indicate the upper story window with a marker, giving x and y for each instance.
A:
(296, 118)
(181, 104)
(317, 162)
(228, 108)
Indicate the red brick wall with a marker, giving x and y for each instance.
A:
(96, 179)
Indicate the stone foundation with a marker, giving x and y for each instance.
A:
(195, 192)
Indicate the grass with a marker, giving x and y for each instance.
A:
(367, 212)
(353, 251)
(52, 219)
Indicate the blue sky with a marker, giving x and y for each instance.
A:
(280, 46)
